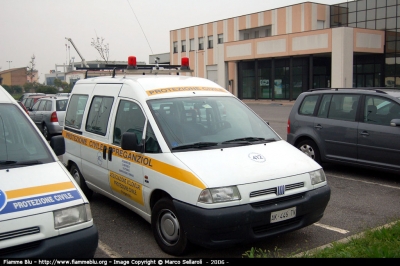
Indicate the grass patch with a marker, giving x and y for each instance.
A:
(381, 243)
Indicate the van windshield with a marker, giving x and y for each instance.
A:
(20, 143)
(209, 122)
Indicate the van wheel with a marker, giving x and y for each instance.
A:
(46, 132)
(76, 174)
(167, 228)
(309, 148)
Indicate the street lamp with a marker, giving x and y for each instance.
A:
(8, 64)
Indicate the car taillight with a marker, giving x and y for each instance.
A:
(54, 117)
(288, 127)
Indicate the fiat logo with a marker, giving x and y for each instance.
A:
(257, 157)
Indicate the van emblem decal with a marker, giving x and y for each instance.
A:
(280, 190)
(257, 157)
(3, 199)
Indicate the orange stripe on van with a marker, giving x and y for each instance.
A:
(137, 158)
(23, 192)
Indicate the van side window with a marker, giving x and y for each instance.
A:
(130, 118)
(380, 111)
(308, 105)
(151, 145)
(74, 115)
(99, 115)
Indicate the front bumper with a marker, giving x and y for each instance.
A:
(79, 244)
(224, 227)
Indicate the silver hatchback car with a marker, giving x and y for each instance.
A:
(48, 113)
(352, 126)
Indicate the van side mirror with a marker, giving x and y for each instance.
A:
(57, 143)
(129, 142)
(395, 122)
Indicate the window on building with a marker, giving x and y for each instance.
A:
(268, 32)
(320, 24)
(246, 36)
(183, 46)
(256, 34)
(192, 48)
(175, 47)
(220, 38)
(201, 43)
(210, 42)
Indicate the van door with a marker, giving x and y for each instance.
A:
(97, 125)
(126, 167)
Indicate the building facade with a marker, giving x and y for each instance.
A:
(279, 53)
(14, 76)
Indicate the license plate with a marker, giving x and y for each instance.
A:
(283, 215)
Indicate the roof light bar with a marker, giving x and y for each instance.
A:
(185, 63)
(132, 62)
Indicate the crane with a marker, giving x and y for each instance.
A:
(76, 49)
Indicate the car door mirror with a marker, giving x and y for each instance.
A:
(395, 122)
(129, 142)
(57, 143)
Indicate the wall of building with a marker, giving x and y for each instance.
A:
(16, 76)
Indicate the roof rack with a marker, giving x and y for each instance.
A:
(377, 89)
(133, 69)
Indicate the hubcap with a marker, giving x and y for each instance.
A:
(308, 150)
(77, 178)
(169, 227)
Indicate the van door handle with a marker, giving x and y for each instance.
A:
(110, 150)
(365, 133)
(318, 126)
(105, 152)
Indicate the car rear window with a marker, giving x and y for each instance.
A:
(61, 105)
(308, 105)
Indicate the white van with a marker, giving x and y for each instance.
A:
(190, 158)
(43, 212)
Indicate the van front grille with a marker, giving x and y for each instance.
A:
(273, 190)
(19, 233)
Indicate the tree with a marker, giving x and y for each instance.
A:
(31, 69)
(101, 47)
(62, 84)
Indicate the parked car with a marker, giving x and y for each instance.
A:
(31, 100)
(26, 95)
(48, 113)
(352, 126)
(23, 107)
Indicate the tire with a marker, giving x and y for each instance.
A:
(46, 132)
(76, 174)
(309, 148)
(167, 229)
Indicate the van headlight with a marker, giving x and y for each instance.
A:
(72, 216)
(317, 177)
(217, 195)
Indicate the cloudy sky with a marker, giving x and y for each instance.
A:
(130, 27)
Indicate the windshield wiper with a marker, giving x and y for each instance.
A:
(16, 163)
(248, 140)
(197, 145)
(7, 162)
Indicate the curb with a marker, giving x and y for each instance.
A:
(343, 240)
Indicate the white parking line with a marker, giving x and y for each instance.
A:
(106, 249)
(332, 228)
(367, 182)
